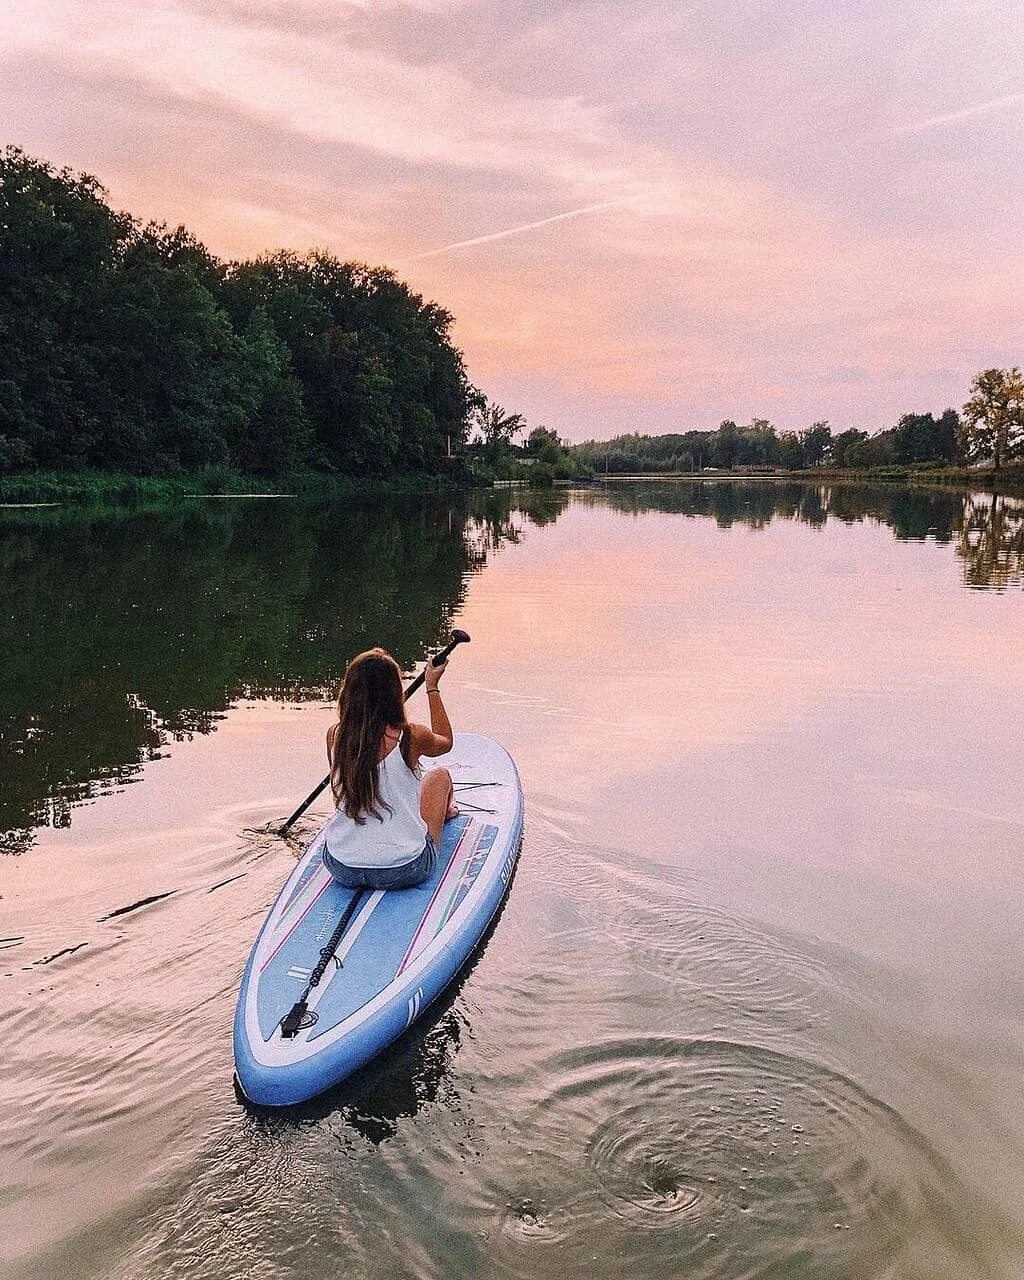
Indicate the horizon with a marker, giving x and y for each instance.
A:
(643, 218)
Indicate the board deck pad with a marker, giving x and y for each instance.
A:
(400, 948)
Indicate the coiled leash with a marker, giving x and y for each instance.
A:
(300, 1016)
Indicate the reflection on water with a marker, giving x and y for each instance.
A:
(991, 541)
(123, 631)
(988, 529)
(753, 1006)
(373, 1102)
(678, 1128)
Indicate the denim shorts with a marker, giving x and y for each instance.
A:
(404, 876)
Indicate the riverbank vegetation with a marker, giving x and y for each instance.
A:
(139, 366)
(983, 441)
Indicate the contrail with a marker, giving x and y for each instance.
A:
(982, 108)
(518, 231)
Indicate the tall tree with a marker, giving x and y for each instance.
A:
(543, 444)
(758, 442)
(60, 248)
(497, 430)
(994, 416)
(381, 382)
(920, 437)
(725, 445)
(816, 443)
(843, 442)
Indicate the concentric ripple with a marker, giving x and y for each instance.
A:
(718, 1159)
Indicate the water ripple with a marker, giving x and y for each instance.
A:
(719, 1159)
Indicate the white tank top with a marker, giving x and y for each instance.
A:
(397, 839)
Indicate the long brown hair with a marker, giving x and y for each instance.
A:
(370, 701)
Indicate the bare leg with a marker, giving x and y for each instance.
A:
(437, 801)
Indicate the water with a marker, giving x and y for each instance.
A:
(754, 1004)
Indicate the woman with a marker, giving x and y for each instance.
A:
(387, 828)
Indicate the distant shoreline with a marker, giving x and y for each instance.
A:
(115, 489)
(1009, 479)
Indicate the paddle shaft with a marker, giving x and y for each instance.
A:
(458, 637)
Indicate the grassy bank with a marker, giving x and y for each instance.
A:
(113, 489)
(102, 488)
(1008, 480)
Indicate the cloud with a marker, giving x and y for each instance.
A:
(737, 225)
(965, 113)
(325, 89)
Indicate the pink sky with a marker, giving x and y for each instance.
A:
(795, 209)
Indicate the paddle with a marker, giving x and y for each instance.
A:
(458, 637)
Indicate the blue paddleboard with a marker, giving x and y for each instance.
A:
(400, 950)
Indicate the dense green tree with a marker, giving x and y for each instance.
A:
(60, 246)
(816, 443)
(133, 348)
(790, 452)
(543, 444)
(843, 443)
(857, 453)
(920, 437)
(916, 438)
(759, 443)
(725, 445)
(381, 383)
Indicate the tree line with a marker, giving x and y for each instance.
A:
(989, 429)
(132, 348)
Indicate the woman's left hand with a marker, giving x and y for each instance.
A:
(434, 674)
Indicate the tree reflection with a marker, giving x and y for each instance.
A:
(121, 631)
(987, 529)
(991, 541)
(912, 514)
(498, 516)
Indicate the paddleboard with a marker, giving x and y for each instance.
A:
(399, 951)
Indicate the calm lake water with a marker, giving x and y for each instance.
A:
(755, 1005)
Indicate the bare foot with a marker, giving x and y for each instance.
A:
(453, 811)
